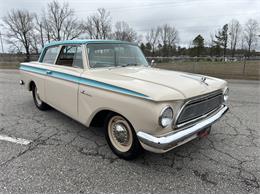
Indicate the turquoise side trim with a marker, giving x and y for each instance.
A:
(64, 76)
(84, 81)
(109, 87)
(33, 69)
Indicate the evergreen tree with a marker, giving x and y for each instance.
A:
(222, 39)
(198, 43)
(142, 46)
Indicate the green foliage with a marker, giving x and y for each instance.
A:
(198, 44)
(148, 46)
(222, 40)
(162, 50)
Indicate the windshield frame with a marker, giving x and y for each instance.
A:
(115, 66)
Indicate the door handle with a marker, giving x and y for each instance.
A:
(48, 72)
(85, 92)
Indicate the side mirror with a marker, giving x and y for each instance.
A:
(153, 63)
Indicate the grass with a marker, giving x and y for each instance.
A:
(9, 65)
(232, 70)
(227, 70)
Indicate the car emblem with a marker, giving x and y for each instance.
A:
(203, 80)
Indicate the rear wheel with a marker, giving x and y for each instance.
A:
(121, 137)
(37, 100)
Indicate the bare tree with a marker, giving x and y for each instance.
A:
(152, 37)
(250, 34)
(15, 48)
(19, 25)
(98, 26)
(242, 43)
(46, 27)
(39, 27)
(124, 32)
(61, 22)
(35, 42)
(89, 28)
(234, 33)
(168, 34)
(57, 14)
(105, 22)
(169, 38)
(72, 29)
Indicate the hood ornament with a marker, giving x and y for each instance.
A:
(203, 80)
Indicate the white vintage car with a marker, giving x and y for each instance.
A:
(110, 83)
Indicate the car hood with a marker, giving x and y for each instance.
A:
(159, 84)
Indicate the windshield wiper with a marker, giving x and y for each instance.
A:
(125, 65)
(131, 64)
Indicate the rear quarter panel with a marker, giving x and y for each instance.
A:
(38, 78)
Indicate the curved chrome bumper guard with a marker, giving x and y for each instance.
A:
(171, 140)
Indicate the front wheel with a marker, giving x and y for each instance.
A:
(37, 100)
(121, 137)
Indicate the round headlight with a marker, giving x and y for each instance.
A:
(166, 117)
(225, 94)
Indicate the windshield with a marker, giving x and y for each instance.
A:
(113, 55)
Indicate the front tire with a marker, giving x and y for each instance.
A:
(121, 137)
(37, 100)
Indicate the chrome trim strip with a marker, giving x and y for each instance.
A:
(168, 141)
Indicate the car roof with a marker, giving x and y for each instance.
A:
(86, 41)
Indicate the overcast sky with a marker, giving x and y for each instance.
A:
(190, 17)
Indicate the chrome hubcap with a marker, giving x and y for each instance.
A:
(120, 133)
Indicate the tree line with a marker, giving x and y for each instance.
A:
(232, 40)
(27, 32)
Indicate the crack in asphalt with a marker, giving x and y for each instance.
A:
(204, 177)
(30, 147)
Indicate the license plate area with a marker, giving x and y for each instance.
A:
(204, 133)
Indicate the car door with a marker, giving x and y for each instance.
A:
(62, 81)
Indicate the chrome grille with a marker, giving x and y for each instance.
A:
(199, 107)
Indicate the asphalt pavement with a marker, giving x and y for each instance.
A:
(63, 156)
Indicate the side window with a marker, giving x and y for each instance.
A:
(50, 55)
(70, 56)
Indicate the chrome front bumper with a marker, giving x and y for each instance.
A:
(174, 139)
